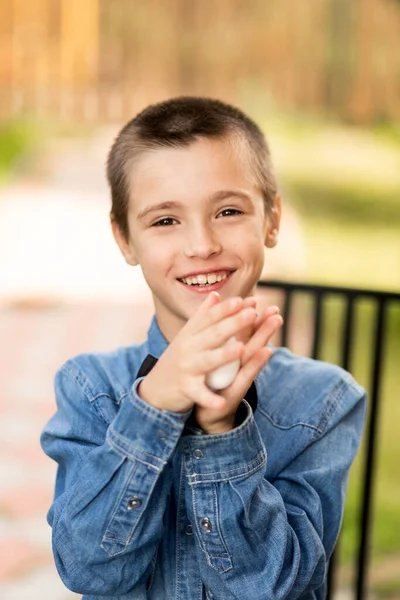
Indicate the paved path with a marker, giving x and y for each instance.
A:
(36, 340)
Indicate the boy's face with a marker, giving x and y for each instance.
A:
(194, 212)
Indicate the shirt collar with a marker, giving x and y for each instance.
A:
(157, 343)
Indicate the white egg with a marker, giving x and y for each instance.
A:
(223, 376)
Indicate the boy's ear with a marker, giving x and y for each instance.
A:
(273, 222)
(125, 246)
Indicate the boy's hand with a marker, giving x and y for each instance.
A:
(255, 355)
(177, 381)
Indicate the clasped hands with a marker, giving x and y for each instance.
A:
(178, 381)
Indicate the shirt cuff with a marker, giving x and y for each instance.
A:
(218, 457)
(145, 433)
(193, 428)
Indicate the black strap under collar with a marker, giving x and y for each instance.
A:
(146, 366)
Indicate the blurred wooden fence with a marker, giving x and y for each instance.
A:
(105, 59)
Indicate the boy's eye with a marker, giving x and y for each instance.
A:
(165, 222)
(230, 212)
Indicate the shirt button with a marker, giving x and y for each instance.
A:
(205, 524)
(197, 454)
(189, 529)
(162, 435)
(134, 502)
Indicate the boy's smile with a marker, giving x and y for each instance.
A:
(197, 223)
(206, 281)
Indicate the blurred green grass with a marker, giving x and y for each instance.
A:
(344, 183)
(348, 202)
(22, 139)
(388, 589)
(17, 139)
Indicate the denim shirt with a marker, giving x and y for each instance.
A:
(147, 507)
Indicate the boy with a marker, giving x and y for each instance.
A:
(166, 488)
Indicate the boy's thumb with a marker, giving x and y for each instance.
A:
(212, 298)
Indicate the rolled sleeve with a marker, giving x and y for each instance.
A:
(212, 458)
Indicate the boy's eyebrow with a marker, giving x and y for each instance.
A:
(221, 195)
(229, 193)
(162, 206)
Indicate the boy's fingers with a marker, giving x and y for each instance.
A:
(207, 399)
(267, 312)
(263, 314)
(253, 366)
(272, 310)
(227, 318)
(210, 301)
(213, 359)
(249, 371)
(222, 331)
(213, 309)
(262, 336)
(250, 301)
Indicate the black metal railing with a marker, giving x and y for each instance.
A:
(351, 298)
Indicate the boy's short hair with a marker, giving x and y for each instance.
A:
(176, 123)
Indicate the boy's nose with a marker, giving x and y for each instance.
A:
(202, 243)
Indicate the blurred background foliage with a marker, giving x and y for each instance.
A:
(321, 77)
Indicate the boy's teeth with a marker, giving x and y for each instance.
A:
(208, 279)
